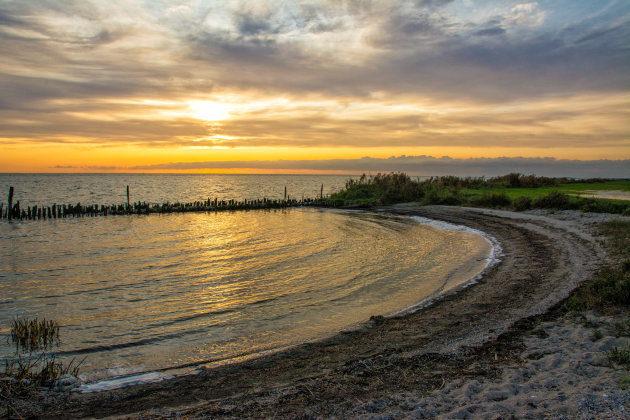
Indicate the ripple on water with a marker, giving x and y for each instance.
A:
(189, 289)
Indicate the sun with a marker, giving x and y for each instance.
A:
(209, 110)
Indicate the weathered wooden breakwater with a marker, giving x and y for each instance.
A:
(61, 211)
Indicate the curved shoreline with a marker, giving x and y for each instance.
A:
(492, 260)
(472, 274)
(543, 260)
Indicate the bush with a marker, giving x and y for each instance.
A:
(516, 180)
(619, 356)
(380, 189)
(603, 206)
(522, 203)
(491, 200)
(444, 197)
(553, 200)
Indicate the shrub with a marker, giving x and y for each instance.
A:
(380, 189)
(603, 206)
(516, 180)
(522, 203)
(491, 200)
(444, 196)
(553, 200)
(619, 356)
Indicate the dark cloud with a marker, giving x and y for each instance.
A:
(420, 51)
(432, 3)
(250, 25)
(427, 54)
(6, 19)
(427, 166)
(490, 32)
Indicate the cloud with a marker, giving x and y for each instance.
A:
(490, 32)
(416, 50)
(427, 166)
(414, 47)
(63, 60)
(577, 122)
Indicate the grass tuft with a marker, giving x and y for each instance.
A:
(31, 364)
(619, 356)
(32, 335)
(611, 286)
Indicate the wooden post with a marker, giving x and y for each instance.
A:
(321, 194)
(10, 209)
(285, 193)
(127, 196)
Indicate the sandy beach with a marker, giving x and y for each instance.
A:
(501, 348)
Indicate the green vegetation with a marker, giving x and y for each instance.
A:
(619, 356)
(379, 189)
(611, 286)
(610, 291)
(32, 365)
(513, 191)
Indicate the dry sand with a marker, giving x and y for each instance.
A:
(497, 349)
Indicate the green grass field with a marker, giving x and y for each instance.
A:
(578, 189)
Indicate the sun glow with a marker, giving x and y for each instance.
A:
(209, 110)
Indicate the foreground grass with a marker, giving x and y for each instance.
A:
(611, 287)
(577, 189)
(513, 191)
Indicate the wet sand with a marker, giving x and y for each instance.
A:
(392, 366)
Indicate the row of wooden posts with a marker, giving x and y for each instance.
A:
(59, 211)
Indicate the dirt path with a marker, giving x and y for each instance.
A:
(543, 260)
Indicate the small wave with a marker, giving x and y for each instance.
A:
(495, 252)
(129, 344)
(190, 318)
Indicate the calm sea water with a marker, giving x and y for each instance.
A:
(142, 293)
(47, 189)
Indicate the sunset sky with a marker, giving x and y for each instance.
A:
(303, 86)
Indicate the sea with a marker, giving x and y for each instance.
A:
(141, 298)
